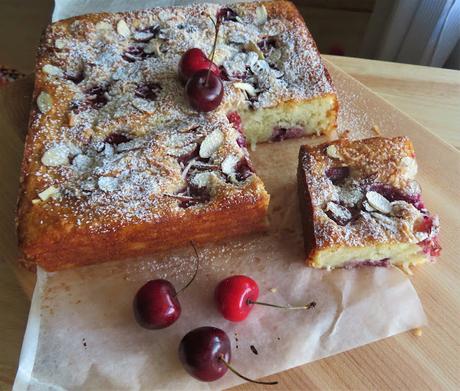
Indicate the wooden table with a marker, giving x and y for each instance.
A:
(431, 96)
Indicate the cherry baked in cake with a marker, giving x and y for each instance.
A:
(361, 205)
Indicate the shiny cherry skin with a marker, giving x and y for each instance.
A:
(201, 352)
(232, 295)
(192, 61)
(156, 305)
(204, 96)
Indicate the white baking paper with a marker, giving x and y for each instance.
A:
(82, 335)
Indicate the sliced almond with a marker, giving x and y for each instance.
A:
(211, 143)
(56, 156)
(60, 43)
(261, 15)
(249, 88)
(202, 179)
(36, 201)
(229, 164)
(107, 183)
(409, 167)
(378, 202)
(52, 70)
(50, 192)
(332, 152)
(44, 102)
(153, 47)
(123, 28)
(368, 207)
(103, 27)
(340, 212)
(143, 105)
(251, 46)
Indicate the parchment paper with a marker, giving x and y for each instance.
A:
(81, 333)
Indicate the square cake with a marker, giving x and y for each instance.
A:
(360, 205)
(116, 162)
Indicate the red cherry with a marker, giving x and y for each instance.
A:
(204, 91)
(156, 305)
(233, 296)
(194, 60)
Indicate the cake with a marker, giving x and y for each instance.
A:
(361, 205)
(118, 165)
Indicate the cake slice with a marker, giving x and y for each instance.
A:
(360, 205)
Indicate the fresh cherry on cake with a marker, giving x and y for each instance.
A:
(204, 91)
(156, 305)
(235, 297)
(205, 353)
(194, 60)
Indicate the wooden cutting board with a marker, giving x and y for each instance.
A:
(405, 361)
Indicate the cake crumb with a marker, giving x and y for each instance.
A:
(417, 332)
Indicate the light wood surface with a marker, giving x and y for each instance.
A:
(402, 362)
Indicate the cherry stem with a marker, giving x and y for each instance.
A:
(216, 27)
(196, 271)
(268, 383)
(284, 307)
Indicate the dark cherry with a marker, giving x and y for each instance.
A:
(267, 43)
(204, 91)
(243, 169)
(233, 296)
(280, 134)
(135, 53)
(116, 138)
(227, 14)
(156, 305)
(76, 78)
(146, 34)
(148, 91)
(338, 174)
(235, 119)
(96, 97)
(192, 61)
(202, 352)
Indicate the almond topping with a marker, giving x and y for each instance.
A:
(50, 192)
(261, 15)
(44, 102)
(123, 28)
(246, 87)
(52, 70)
(103, 27)
(211, 143)
(153, 47)
(59, 43)
(252, 47)
(229, 164)
(332, 152)
(378, 202)
(56, 156)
